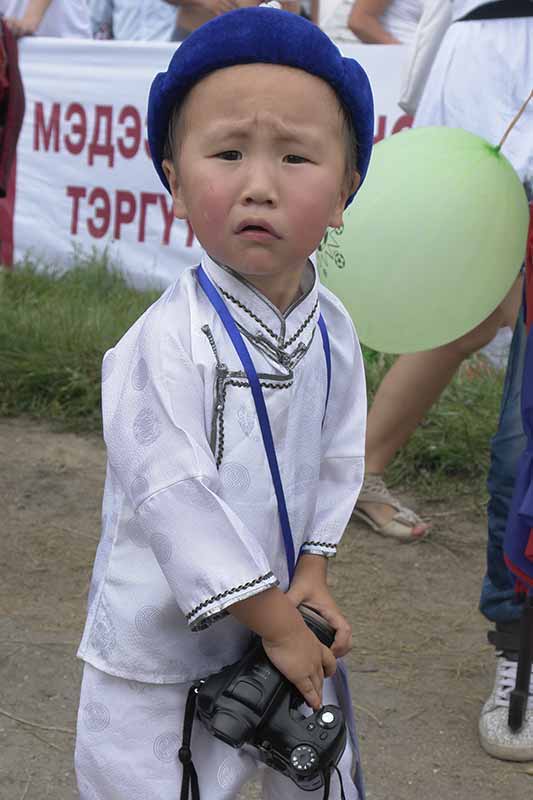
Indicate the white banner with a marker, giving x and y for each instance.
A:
(84, 177)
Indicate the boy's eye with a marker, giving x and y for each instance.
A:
(292, 159)
(230, 155)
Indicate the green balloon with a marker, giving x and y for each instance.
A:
(432, 243)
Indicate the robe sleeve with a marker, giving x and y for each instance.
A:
(343, 445)
(153, 399)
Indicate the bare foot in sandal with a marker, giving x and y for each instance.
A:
(382, 512)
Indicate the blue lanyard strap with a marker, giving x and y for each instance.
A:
(262, 414)
(327, 354)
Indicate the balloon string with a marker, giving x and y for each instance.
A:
(514, 121)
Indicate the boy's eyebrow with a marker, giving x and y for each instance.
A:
(241, 129)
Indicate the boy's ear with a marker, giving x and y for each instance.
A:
(344, 194)
(178, 204)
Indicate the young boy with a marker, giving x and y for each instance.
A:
(263, 133)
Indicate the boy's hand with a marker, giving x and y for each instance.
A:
(309, 586)
(304, 661)
(291, 646)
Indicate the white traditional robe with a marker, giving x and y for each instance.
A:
(190, 521)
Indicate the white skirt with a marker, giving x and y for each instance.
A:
(129, 734)
(482, 74)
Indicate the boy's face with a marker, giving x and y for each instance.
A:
(260, 145)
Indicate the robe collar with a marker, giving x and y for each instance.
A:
(258, 317)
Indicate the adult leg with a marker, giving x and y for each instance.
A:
(498, 601)
(407, 392)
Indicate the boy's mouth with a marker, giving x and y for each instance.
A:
(256, 228)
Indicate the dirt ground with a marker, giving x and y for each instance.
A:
(420, 668)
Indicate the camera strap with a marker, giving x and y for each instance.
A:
(327, 782)
(189, 780)
(260, 405)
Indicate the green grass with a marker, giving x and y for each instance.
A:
(55, 327)
(452, 443)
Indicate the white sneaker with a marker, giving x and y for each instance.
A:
(495, 736)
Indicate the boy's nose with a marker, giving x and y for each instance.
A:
(260, 187)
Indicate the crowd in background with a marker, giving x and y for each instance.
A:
(366, 21)
(370, 21)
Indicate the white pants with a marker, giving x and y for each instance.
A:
(129, 734)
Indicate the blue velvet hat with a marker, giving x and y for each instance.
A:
(268, 36)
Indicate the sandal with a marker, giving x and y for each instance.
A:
(403, 526)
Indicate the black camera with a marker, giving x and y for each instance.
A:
(252, 703)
